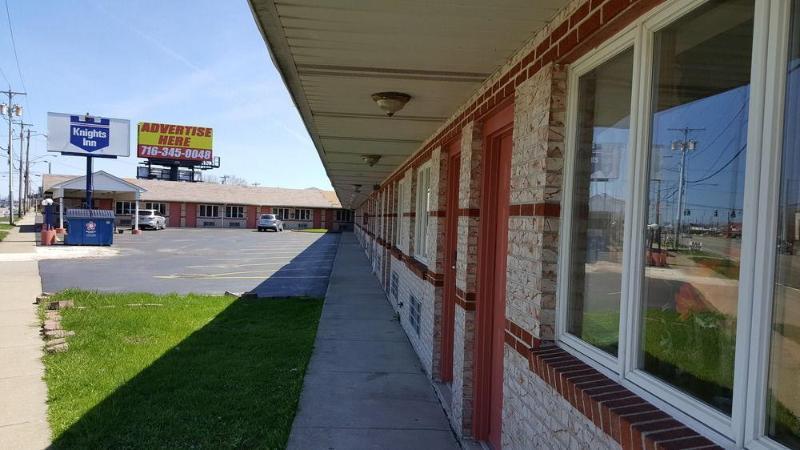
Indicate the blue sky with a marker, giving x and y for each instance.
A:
(185, 62)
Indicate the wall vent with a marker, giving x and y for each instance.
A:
(414, 313)
(395, 284)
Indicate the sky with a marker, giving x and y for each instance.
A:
(198, 62)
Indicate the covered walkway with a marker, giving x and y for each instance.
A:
(365, 387)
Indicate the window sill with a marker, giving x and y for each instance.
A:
(629, 419)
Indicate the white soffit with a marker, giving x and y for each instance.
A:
(334, 54)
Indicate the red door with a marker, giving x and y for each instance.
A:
(492, 253)
(174, 215)
(451, 241)
(191, 215)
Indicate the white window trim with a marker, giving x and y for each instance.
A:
(745, 426)
(402, 234)
(421, 214)
(206, 206)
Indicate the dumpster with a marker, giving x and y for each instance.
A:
(90, 227)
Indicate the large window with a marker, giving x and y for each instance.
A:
(302, 214)
(210, 211)
(125, 208)
(677, 265)
(282, 213)
(159, 207)
(421, 215)
(783, 391)
(599, 194)
(234, 212)
(402, 230)
(344, 215)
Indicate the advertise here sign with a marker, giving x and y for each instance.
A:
(88, 135)
(175, 142)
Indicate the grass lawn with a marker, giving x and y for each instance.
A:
(195, 372)
(4, 228)
(313, 230)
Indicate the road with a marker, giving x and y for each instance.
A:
(208, 261)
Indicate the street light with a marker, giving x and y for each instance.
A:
(10, 110)
(683, 146)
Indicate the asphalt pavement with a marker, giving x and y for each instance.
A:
(207, 261)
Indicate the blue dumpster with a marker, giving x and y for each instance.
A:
(89, 227)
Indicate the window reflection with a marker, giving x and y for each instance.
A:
(783, 396)
(598, 206)
(696, 187)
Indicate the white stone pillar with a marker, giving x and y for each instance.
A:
(136, 217)
(60, 213)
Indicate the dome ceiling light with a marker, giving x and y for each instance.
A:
(371, 160)
(391, 102)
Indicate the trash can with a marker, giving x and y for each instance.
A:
(90, 227)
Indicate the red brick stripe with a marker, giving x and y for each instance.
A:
(536, 209)
(469, 212)
(466, 300)
(437, 213)
(627, 418)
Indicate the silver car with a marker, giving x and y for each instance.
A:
(269, 222)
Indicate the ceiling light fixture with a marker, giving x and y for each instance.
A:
(391, 102)
(371, 160)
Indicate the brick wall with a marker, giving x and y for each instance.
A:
(551, 399)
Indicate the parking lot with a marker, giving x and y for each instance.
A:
(209, 261)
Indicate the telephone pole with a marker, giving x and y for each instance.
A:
(28, 170)
(11, 110)
(21, 201)
(683, 146)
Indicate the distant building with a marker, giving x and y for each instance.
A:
(203, 205)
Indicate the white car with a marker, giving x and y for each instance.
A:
(150, 218)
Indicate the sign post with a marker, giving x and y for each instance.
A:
(89, 137)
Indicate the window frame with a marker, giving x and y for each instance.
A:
(202, 211)
(131, 207)
(238, 208)
(303, 214)
(160, 207)
(421, 213)
(281, 213)
(402, 232)
(746, 424)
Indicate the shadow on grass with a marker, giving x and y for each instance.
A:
(233, 383)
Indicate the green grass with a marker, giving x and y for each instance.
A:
(726, 267)
(196, 372)
(313, 230)
(4, 229)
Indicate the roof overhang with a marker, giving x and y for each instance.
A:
(334, 55)
(102, 182)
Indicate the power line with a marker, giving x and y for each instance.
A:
(721, 168)
(5, 77)
(14, 47)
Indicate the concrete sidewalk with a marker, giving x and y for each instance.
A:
(365, 388)
(23, 394)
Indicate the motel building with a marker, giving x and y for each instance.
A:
(583, 211)
(199, 205)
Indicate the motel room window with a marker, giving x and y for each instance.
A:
(681, 221)
(344, 215)
(281, 213)
(210, 211)
(161, 208)
(599, 192)
(782, 396)
(402, 231)
(234, 212)
(421, 214)
(302, 214)
(125, 208)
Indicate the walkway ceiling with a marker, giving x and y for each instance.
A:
(334, 54)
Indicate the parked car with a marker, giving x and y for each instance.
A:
(269, 222)
(150, 218)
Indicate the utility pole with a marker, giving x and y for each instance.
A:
(21, 201)
(28, 169)
(11, 110)
(683, 146)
